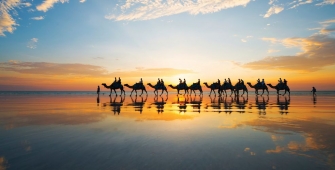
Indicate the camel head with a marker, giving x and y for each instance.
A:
(103, 84)
(248, 83)
(205, 83)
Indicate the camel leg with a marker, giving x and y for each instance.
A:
(267, 91)
(115, 92)
(131, 92)
(262, 93)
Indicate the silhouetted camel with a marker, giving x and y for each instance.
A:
(181, 86)
(137, 86)
(259, 86)
(195, 86)
(280, 86)
(239, 87)
(226, 86)
(158, 87)
(213, 87)
(114, 86)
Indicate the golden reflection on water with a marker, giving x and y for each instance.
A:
(295, 125)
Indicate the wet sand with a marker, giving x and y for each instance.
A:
(71, 131)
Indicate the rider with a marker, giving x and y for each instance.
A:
(229, 81)
(199, 82)
(219, 82)
(184, 81)
(119, 80)
(263, 83)
(285, 82)
(280, 81)
(158, 82)
(225, 81)
(141, 81)
(162, 82)
(180, 81)
(114, 80)
(258, 81)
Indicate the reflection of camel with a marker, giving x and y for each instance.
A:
(241, 104)
(181, 86)
(283, 105)
(114, 86)
(116, 105)
(259, 86)
(138, 105)
(226, 86)
(228, 105)
(261, 105)
(182, 105)
(158, 87)
(135, 87)
(213, 87)
(160, 104)
(196, 104)
(239, 87)
(215, 105)
(280, 86)
(195, 86)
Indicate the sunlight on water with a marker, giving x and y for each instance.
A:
(78, 130)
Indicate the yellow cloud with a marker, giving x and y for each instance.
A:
(152, 9)
(317, 51)
(47, 4)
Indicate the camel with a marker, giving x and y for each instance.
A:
(239, 87)
(281, 86)
(158, 87)
(180, 86)
(212, 87)
(113, 86)
(135, 87)
(226, 86)
(259, 86)
(195, 86)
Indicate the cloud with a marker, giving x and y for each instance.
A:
(272, 51)
(76, 69)
(273, 10)
(37, 18)
(243, 40)
(82, 1)
(47, 4)
(327, 2)
(32, 43)
(272, 40)
(7, 23)
(133, 10)
(298, 3)
(317, 51)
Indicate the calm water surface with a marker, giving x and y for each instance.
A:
(77, 130)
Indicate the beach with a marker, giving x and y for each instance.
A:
(79, 130)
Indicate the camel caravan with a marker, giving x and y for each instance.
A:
(182, 86)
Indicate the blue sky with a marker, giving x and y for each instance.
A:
(202, 37)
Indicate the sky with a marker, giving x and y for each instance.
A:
(79, 44)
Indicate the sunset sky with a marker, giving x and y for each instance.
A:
(79, 44)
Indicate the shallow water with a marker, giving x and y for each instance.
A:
(77, 130)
